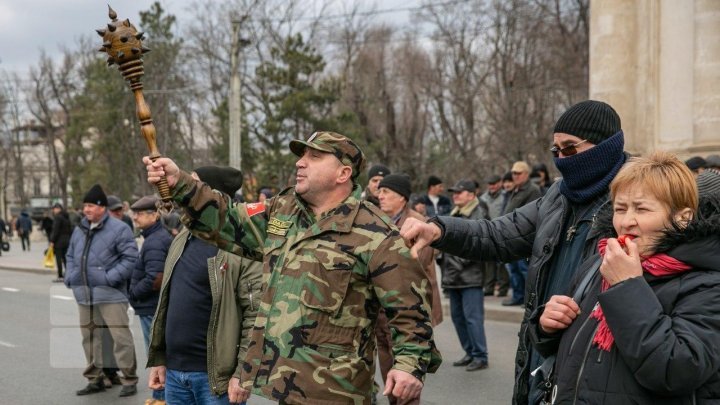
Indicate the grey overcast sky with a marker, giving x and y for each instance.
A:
(27, 26)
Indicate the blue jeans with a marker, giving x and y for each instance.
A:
(468, 315)
(191, 388)
(518, 272)
(145, 324)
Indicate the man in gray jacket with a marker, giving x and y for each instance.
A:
(100, 259)
(555, 231)
(496, 273)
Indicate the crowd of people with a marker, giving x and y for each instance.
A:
(293, 297)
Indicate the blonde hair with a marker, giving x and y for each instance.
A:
(662, 175)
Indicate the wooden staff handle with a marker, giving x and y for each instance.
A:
(123, 44)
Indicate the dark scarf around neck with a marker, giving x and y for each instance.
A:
(588, 174)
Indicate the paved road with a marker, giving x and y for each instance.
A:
(41, 358)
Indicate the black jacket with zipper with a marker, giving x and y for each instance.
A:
(665, 328)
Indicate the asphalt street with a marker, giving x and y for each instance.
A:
(41, 359)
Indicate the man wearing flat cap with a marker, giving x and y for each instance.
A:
(331, 262)
(148, 273)
(100, 259)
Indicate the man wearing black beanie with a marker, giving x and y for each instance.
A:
(100, 260)
(588, 147)
(375, 175)
(394, 193)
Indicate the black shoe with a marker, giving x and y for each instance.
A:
(115, 379)
(511, 302)
(128, 390)
(463, 362)
(91, 388)
(58, 280)
(477, 364)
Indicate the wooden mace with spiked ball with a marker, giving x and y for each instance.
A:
(123, 44)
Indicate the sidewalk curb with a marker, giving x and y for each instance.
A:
(29, 270)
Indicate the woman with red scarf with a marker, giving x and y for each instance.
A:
(642, 324)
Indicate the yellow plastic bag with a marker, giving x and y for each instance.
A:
(49, 260)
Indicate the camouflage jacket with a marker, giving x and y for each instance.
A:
(325, 279)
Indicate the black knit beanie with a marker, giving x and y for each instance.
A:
(592, 120)
(96, 196)
(433, 181)
(399, 183)
(223, 178)
(378, 170)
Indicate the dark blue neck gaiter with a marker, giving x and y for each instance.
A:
(588, 174)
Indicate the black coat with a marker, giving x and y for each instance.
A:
(532, 230)
(148, 272)
(666, 330)
(61, 231)
(463, 273)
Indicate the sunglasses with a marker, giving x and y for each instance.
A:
(566, 151)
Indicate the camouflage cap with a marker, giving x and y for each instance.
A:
(339, 145)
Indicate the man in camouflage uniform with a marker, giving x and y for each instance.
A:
(331, 261)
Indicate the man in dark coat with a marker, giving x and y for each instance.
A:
(464, 281)
(555, 230)
(147, 276)
(24, 229)
(60, 238)
(148, 273)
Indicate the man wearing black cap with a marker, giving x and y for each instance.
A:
(331, 261)
(393, 194)
(435, 202)
(555, 230)
(464, 281)
(60, 238)
(100, 259)
(375, 174)
(696, 164)
(207, 306)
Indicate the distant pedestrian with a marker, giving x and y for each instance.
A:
(3, 232)
(46, 225)
(24, 229)
(60, 238)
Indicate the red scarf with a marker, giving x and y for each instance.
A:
(658, 265)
